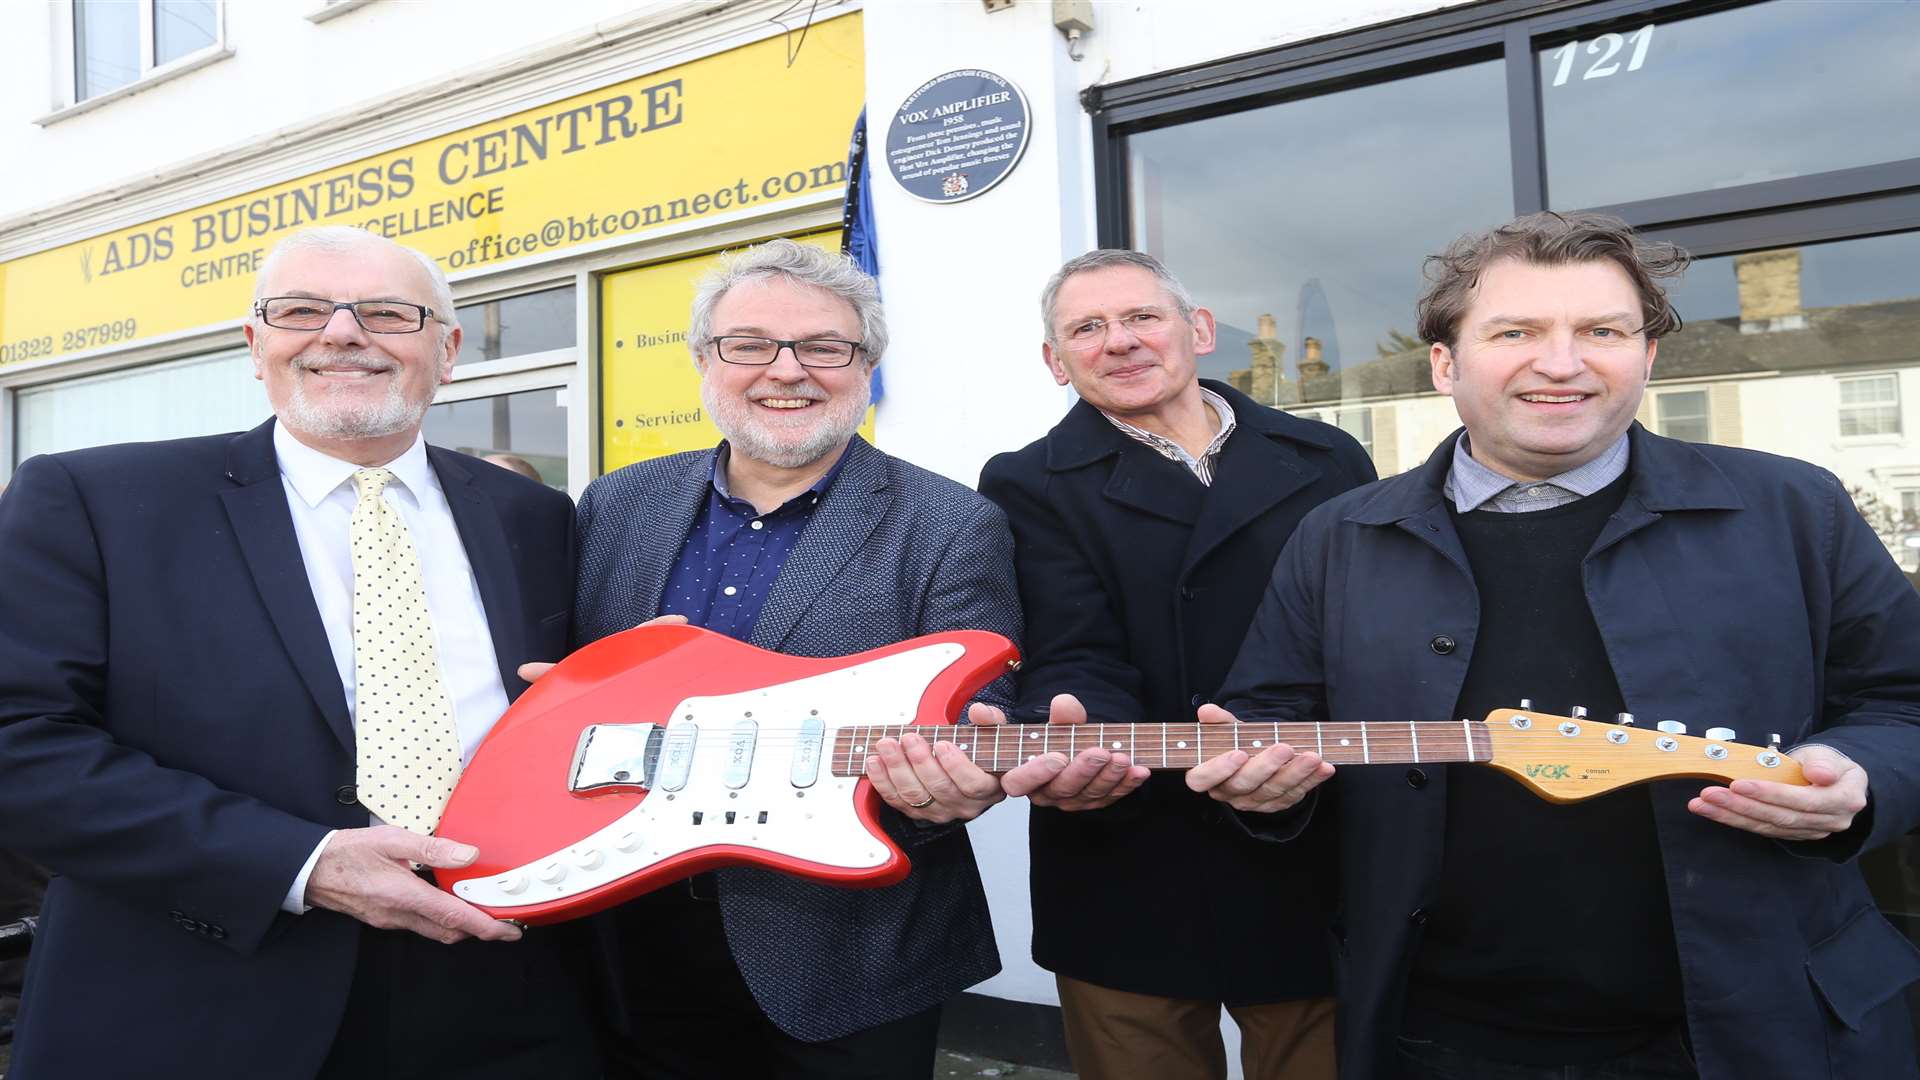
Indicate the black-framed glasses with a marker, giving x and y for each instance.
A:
(760, 351)
(374, 316)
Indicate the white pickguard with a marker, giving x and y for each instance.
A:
(816, 823)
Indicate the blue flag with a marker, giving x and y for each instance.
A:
(858, 240)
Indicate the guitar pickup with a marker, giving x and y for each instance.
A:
(616, 757)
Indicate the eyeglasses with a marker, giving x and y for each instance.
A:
(374, 316)
(1092, 333)
(760, 351)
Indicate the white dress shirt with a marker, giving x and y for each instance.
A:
(321, 495)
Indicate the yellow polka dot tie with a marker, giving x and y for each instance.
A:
(409, 752)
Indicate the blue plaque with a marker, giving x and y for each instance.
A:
(957, 136)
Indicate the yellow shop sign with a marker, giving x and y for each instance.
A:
(737, 130)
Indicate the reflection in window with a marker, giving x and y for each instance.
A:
(1302, 225)
(1683, 415)
(1870, 406)
(106, 46)
(1757, 93)
(517, 325)
(181, 27)
(530, 426)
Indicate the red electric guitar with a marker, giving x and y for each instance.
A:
(657, 753)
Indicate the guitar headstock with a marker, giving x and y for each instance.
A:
(1568, 758)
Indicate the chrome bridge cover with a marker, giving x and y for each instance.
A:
(615, 756)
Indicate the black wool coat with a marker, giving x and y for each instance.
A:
(1138, 584)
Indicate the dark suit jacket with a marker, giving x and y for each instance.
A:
(176, 741)
(1731, 587)
(1138, 584)
(892, 552)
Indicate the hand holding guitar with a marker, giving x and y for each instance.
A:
(1836, 790)
(1093, 778)
(931, 782)
(1275, 779)
(365, 873)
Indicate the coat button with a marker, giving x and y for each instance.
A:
(346, 795)
(1416, 778)
(1197, 700)
(1442, 644)
(1418, 916)
(1186, 593)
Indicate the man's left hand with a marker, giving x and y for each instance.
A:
(931, 782)
(1835, 791)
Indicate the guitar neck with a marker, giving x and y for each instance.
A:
(1001, 747)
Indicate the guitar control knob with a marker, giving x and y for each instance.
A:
(552, 873)
(589, 859)
(1672, 727)
(628, 842)
(1721, 734)
(1625, 719)
(1578, 712)
(511, 884)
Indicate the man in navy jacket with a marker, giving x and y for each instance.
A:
(178, 716)
(1559, 552)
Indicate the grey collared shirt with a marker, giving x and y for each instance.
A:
(1202, 466)
(1473, 486)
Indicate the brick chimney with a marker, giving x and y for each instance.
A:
(1769, 291)
(1312, 365)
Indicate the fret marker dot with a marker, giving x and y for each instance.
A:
(1346, 742)
(859, 749)
(1181, 745)
(1116, 746)
(963, 746)
(1256, 742)
(1030, 757)
(1033, 734)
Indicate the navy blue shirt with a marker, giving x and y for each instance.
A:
(733, 554)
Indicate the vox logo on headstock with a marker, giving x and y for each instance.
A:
(1548, 772)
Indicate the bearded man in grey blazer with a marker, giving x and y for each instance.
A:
(796, 535)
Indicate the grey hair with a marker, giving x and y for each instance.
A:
(339, 238)
(1106, 258)
(800, 263)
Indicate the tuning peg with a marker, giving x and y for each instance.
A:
(1773, 741)
(1625, 719)
(1578, 712)
(1672, 727)
(1526, 704)
(1721, 734)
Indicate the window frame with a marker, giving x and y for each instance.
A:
(1662, 395)
(1835, 205)
(1890, 378)
(66, 97)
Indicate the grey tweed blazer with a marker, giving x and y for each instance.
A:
(892, 551)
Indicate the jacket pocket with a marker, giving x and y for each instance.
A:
(1861, 966)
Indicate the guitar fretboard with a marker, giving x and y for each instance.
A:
(1001, 747)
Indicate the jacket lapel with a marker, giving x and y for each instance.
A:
(841, 524)
(661, 532)
(263, 527)
(488, 553)
(1257, 471)
(1141, 479)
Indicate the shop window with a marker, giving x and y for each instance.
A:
(1870, 406)
(1766, 92)
(1307, 300)
(204, 395)
(117, 43)
(1682, 414)
(530, 426)
(517, 325)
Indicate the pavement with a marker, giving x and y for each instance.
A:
(948, 1066)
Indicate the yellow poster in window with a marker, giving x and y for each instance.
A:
(649, 388)
(727, 136)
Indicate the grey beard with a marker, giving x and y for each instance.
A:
(391, 416)
(748, 435)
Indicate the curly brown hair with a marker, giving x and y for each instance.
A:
(1549, 238)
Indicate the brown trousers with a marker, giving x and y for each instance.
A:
(1115, 1035)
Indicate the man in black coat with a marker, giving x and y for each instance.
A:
(1558, 551)
(1142, 523)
